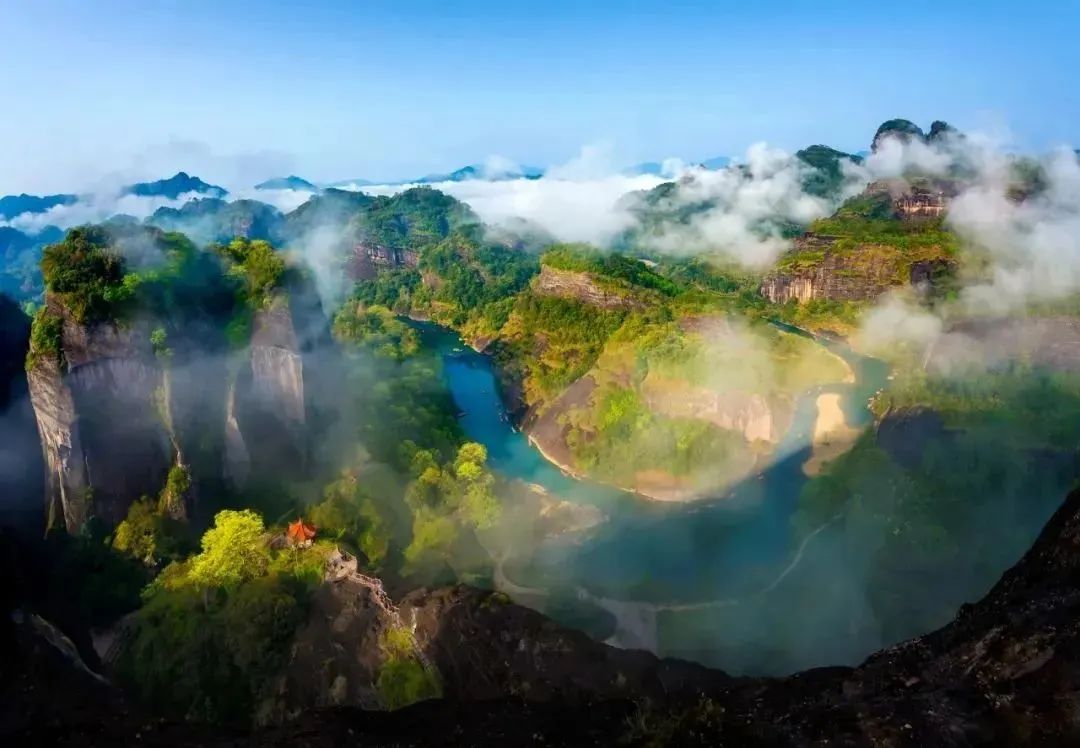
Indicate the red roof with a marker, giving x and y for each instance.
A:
(300, 531)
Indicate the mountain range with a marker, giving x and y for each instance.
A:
(471, 172)
(16, 205)
(183, 183)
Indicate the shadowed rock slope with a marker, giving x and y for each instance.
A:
(1006, 671)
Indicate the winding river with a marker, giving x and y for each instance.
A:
(706, 580)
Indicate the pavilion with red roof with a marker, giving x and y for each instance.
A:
(300, 533)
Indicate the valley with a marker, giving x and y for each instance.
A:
(375, 450)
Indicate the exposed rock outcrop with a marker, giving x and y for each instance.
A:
(747, 413)
(862, 274)
(1005, 672)
(277, 370)
(100, 423)
(269, 403)
(581, 287)
(368, 258)
(67, 484)
(113, 417)
(478, 644)
(546, 427)
(850, 268)
(830, 274)
(237, 460)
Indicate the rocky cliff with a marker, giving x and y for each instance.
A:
(755, 416)
(367, 258)
(1004, 672)
(816, 269)
(582, 287)
(277, 370)
(891, 239)
(66, 481)
(113, 417)
(266, 408)
(100, 419)
(477, 644)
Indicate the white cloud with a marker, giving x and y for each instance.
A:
(746, 200)
(576, 201)
(1034, 244)
(897, 322)
(284, 200)
(94, 208)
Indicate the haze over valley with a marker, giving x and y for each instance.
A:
(750, 444)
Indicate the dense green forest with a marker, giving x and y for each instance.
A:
(683, 383)
(960, 473)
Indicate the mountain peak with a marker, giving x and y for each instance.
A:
(179, 184)
(291, 182)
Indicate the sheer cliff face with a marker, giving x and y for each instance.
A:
(863, 274)
(66, 480)
(267, 413)
(277, 371)
(103, 438)
(859, 276)
(112, 418)
(821, 266)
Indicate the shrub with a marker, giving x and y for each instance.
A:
(45, 338)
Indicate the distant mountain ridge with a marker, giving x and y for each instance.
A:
(179, 184)
(291, 182)
(479, 171)
(212, 219)
(15, 205)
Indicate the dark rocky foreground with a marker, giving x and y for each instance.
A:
(1006, 671)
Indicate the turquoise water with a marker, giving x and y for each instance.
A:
(652, 551)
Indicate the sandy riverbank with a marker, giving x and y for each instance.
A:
(832, 434)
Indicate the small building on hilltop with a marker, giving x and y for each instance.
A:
(300, 534)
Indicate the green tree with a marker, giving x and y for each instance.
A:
(138, 534)
(348, 512)
(233, 550)
(260, 266)
(85, 272)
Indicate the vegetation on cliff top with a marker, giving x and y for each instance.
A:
(45, 338)
(868, 220)
(463, 281)
(215, 628)
(826, 176)
(87, 274)
(258, 264)
(414, 218)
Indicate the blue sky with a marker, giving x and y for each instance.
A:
(335, 90)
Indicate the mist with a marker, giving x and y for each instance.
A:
(576, 201)
(748, 214)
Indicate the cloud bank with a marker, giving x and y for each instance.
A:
(742, 211)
